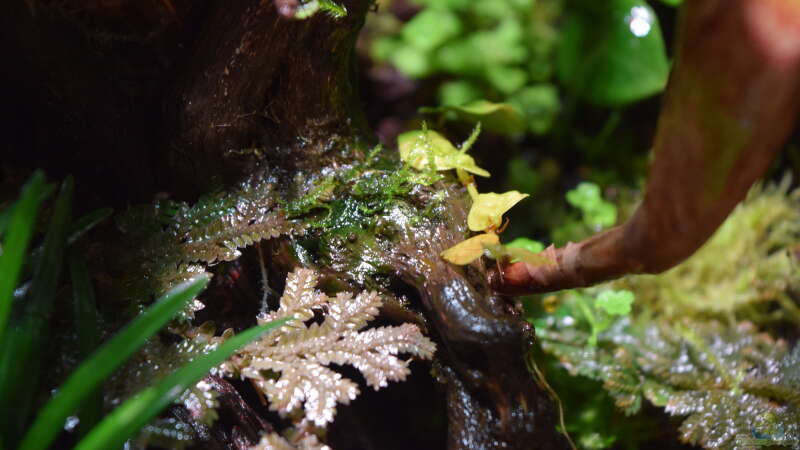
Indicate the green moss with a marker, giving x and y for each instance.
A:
(351, 200)
(745, 268)
(351, 215)
(312, 200)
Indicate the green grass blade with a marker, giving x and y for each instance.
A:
(5, 216)
(85, 307)
(138, 411)
(86, 319)
(89, 375)
(86, 222)
(48, 270)
(21, 220)
(5, 213)
(23, 346)
(75, 231)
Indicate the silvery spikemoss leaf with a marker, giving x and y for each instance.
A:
(732, 384)
(290, 365)
(274, 441)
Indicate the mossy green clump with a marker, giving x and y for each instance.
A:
(746, 266)
(352, 215)
(352, 198)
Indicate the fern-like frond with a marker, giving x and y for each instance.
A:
(728, 381)
(169, 241)
(274, 441)
(291, 365)
(298, 299)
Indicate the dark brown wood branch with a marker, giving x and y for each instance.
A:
(731, 102)
(493, 400)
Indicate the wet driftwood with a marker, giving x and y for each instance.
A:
(174, 96)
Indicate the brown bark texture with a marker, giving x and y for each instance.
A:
(141, 98)
(731, 102)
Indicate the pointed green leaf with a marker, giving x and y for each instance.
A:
(87, 324)
(86, 222)
(21, 220)
(75, 231)
(427, 149)
(23, 345)
(89, 375)
(487, 209)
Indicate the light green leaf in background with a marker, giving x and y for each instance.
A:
(526, 244)
(539, 105)
(430, 28)
(596, 211)
(616, 303)
(502, 118)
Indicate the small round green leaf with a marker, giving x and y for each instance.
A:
(615, 303)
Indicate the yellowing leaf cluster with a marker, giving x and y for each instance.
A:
(471, 249)
(427, 149)
(488, 209)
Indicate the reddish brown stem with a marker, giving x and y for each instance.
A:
(730, 104)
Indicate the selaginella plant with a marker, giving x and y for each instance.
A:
(173, 241)
(699, 339)
(291, 366)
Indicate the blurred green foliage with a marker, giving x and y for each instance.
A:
(515, 56)
(527, 244)
(499, 50)
(611, 52)
(595, 214)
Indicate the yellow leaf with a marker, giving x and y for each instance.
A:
(421, 148)
(424, 149)
(466, 162)
(467, 251)
(488, 209)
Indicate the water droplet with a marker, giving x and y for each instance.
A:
(71, 423)
(640, 21)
